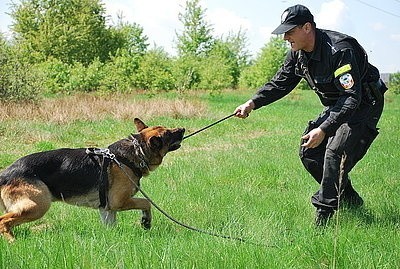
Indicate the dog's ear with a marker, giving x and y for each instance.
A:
(139, 124)
(156, 142)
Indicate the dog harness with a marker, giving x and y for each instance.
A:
(104, 157)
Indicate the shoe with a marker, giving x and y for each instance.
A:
(352, 199)
(322, 217)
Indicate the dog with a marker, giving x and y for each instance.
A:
(104, 179)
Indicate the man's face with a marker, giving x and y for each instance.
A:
(297, 38)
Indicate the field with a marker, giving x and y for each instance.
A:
(241, 178)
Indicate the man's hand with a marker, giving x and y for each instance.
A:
(314, 138)
(244, 110)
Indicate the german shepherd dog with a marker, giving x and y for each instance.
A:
(84, 177)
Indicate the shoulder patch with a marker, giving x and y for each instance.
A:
(342, 70)
(346, 80)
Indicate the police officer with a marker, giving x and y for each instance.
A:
(336, 67)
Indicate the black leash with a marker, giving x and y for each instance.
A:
(208, 126)
(106, 154)
(185, 225)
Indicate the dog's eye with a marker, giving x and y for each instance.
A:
(156, 142)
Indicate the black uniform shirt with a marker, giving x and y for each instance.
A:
(334, 70)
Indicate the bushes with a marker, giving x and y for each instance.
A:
(151, 71)
(215, 74)
(18, 79)
(81, 53)
(85, 79)
(154, 71)
(394, 83)
(56, 75)
(66, 79)
(265, 65)
(71, 45)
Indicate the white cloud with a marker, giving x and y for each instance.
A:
(332, 15)
(266, 33)
(225, 21)
(145, 11)
(378, 26)
(395, 37)
(158, 18)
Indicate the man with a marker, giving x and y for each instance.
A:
(337, 69)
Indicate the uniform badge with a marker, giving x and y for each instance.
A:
(346, 80)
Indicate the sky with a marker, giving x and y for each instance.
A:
(374, 23)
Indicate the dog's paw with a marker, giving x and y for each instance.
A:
(146, 223)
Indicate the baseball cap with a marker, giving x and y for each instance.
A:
(292, 17)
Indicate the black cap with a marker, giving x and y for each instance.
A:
(292, 17)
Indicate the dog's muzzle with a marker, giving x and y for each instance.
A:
(178, 137)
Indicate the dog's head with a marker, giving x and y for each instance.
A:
(158, 141)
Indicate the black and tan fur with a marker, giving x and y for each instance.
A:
(29, 185)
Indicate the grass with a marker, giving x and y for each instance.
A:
(241, 178)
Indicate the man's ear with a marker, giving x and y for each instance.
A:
(139, 124)
(156, 142)
(307, 27)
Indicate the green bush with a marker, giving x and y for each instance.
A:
(394, 83)
(220, 69)
(85, 79)
(55, 76)
(19, 80)
(155, 71)
(118, 72)
(186, 72)
(112, 76)
(265, 65)
(215, 74)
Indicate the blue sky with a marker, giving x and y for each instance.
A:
(376, 24)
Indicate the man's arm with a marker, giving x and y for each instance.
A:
(284, 81)
(347, 79)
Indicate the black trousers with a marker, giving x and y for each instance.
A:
(351, 139)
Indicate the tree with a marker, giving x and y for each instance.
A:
(221, 68)
(68, 30)
(215, 71)
(204, 61)
(233, 53)
(266, 64)
(18, 79)
(237, 43)
(128, 37)
(196, 38)
(155, 71)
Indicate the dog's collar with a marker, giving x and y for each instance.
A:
(143, 164)
(107, 154)
(138, 167)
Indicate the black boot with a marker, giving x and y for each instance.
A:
(351, 198)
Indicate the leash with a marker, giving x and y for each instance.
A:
(169, 216)
(186, 225)
(208, 126)
(106, 153)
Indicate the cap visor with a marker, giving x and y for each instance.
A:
(283, 28)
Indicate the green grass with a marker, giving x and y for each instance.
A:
(241, 178)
